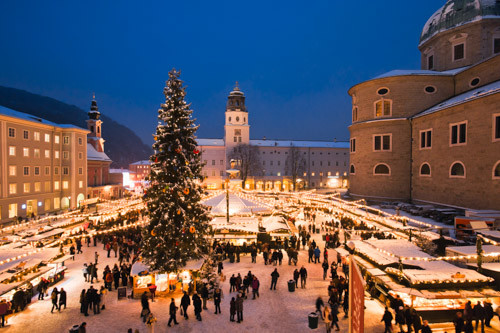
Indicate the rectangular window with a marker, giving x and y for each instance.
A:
(65, 155)
(12, 188)
(47, 170)
(56, 170)
(80, 141)
(26, 152)
(496, 45)
(56, 185)
(458, 134)
(26, 171)
(36, 153)
(57, 203)
(312, 163)
(36, 136)
(496, 127)
(80, 171)
(312, 174)
(271, 163)
(221, 173)
(12, 151)
(12, 170)
(47, 204)
(26, 187)
(65, 171)
(383, 108)
(213, 173)
(425, 139)
(80, 156)
(47, 153)
(430, 62)
(458, 52)
(65, 185)
(353, 145)
(12, 132)
(26, 135)
(38, 186)
(66, 140)
(221, 162)
(213, 162)
(354, 114)
(46, 186)
(235, 139)
(56, 139)
(382, 142)
(80, 184)
(47, 137)
(239, 139)
(12, 210)
(36, 171)
(56, 154)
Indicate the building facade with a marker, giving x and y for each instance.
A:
(433, 135)
(43, 165)
(318, 164)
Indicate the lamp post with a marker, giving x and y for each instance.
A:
(231, 175)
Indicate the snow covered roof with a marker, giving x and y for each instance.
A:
(210, 142)
(94, 155)
(16, 114)
(300, 144)
(456, 13)
(489, 89)
(472, 249)
(118, 170)
(249, 224)
(143, 162)
(237, 205)
(405, 72)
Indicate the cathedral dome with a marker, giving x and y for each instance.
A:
(459, 12)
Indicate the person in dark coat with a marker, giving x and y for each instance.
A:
(4, 308)
(204, 296)
(426, 328)
(479, 315)
(459, 322)
(62, 299)
(220, 267)
(53, 297)
(145, 306)
(274, 278)
(408, 318)
(239, 308)
(303, 277)
(296, 276)
(400, 318)
(40, 289)
(232, 309)
(489, 313)
(217, 300)
(185, 302)
(197, 306)
(387, 319)
(172, 312)
(84, 305)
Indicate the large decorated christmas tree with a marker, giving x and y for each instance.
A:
(178, 226)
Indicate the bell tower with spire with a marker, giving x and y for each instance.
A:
(94, 126)
(236, 128)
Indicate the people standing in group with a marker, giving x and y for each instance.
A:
(62, 299)
(232, 309)
(479, 315)
(185, 302)
(204, 296)
(459, 322)
(239, 308)
(84, 305)
(172, 312)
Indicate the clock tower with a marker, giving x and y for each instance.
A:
(236, 128)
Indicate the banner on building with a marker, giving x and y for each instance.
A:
(356, 298)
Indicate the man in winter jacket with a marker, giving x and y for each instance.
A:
(255, 287)
(239, 308)
(479, 315)
(185, 303)
(387, 319)
(172, 312)
(296, 276)
(62, 298)
(274, 278)
(325, 269)
(303, 277)
(53, 297)
(217, 300)
(197, 306)
(317, 253)
(204, 296)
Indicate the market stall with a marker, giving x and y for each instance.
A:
(166, 283)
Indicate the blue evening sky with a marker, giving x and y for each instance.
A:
(295, 60)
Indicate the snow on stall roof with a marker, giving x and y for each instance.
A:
(210, 142)
(300, 144)
(489, 89)
(94, 155)
(237, 205)
(16, 114)
(472, 249)
(249, 224)
(44, 235)
(139, 266)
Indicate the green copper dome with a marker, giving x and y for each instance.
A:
(459, 12)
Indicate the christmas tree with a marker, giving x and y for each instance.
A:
(178, 227)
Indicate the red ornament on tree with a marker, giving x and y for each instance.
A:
(176, 243)
(156, 159)
(196, 151)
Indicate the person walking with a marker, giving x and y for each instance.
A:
(172, 313)
(185, 303)
(232, 309)
(4, 308)
(197, 306)
(387, 319)
(217, 300)
(274, 278)
(296, 276)
(145, 306)
(479, 315)
(239, 308)
(85, 271)
(96, 257)
(317, 253)
(459, 322)
(53, 297)
(62, 299)
(303, 277)
(327, 318)
(325, 269)
(335, 318)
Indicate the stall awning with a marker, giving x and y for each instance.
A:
(48, 234)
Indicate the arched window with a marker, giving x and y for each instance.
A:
(92, 129)
(382, 169)
(237, 103)
(383, 108)
(457, 170)
(352, 170)
(425, 169)
(496, 171)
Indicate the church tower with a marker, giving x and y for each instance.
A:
(236, 128)
(94, 126)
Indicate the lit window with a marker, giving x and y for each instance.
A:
(57, 203)
(12, 132)
(38, 186)
(457, 170)
(12, 151)
(458, 134)
(56, 139)
(383, 108)
(425, 139)
(12, 210)
(12, 170)
(47, 153)
(381, 169)
(12, 188)
(26, 135)
(56, 185)
(80, 184)
(47, 137)
(26, 187)
(36, 153)
(305, 174)
(278, 174)
(26, 152)
(36, 136)
(65, 184)
(382, 142)
(312, 174)
(425, 170)
(56, 154)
